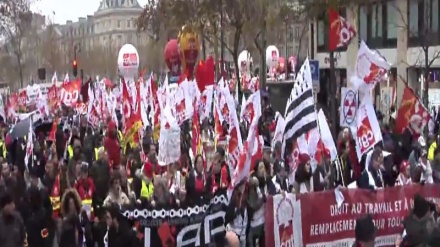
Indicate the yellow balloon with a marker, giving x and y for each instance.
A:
(189, 46)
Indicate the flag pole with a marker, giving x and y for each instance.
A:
(333, 93)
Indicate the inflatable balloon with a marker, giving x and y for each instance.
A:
(272, 56)
(172, 57)
(281, 65)
(244, 63)
(128, 62)
(189, 47)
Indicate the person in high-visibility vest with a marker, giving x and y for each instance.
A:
(3, 150)
(86, 189)
(97, 150)
(146, 175)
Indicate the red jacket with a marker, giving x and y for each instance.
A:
(111, 145)
(82, 192)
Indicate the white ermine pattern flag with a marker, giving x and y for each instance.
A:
(300, 116)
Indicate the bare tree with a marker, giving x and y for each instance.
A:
(51, 49)
(15, 23)
(423, 35)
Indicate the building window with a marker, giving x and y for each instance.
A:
(320, 33)
(128, 24)
(434, 15)
(391, 20)
(413, 18)
(119, 24)
(377, 23)
(363, 22)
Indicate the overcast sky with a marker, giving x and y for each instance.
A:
(67, 9)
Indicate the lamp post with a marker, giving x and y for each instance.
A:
(286, 20)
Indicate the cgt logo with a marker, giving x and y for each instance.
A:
(129, 59)
(365, 135)
(69, 97)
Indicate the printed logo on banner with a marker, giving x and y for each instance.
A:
(279, 220)
(129, 59)
(274, 55)
(284, 213)
(349, 108)
(182, 227)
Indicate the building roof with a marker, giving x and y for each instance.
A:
(112, 4)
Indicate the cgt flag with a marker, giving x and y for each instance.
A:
(411, 114)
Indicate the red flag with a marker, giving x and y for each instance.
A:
(411, 113)
(340, 31)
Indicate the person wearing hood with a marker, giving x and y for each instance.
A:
(100, 174)
(40, 225)
(419, 224)
(111, 144)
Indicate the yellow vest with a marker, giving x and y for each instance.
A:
(70, 151)
(2, 145)
(147, 190)
(431, 151)
(120, 135)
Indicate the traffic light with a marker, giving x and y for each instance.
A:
(75, 68)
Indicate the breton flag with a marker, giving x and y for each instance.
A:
(300, 116)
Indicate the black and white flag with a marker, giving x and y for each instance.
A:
(300, 116)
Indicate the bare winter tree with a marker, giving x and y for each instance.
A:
(15, 23)
(424, 35)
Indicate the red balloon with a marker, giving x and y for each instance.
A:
(172, 56)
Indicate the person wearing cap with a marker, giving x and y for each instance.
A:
(280, 179)
(146, 176)
(371, 177)
(304, 182)
(365, 232)
(404, 177)
(426, 168)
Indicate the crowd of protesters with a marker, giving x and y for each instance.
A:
(71, 191)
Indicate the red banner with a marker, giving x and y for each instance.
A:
(323, 223)
(70, 93)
